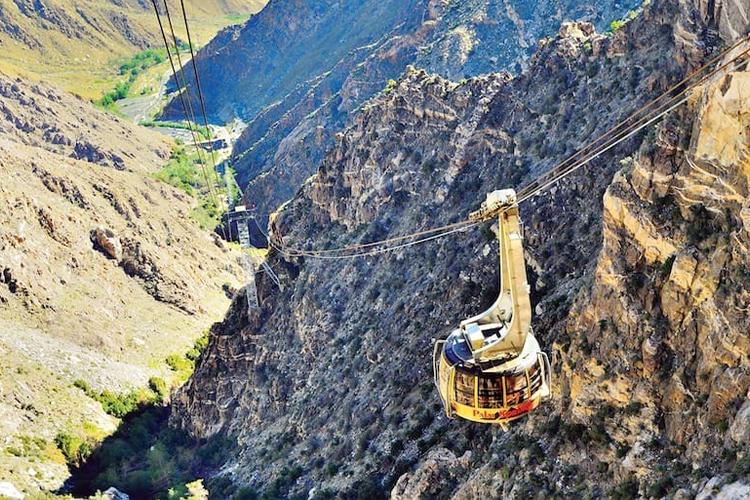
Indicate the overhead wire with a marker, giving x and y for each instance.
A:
(192, 121)
(182, 90)
(631, 125)
(200, 90)
(562, 170)
(378, 251)
(177, 81)
(681, 86)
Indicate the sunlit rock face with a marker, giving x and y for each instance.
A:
(638, 266)
(298, 70)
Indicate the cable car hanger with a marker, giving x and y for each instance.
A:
(491, 368)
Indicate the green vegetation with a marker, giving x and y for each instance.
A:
(36, 448)
(626, 490)
(183, 365)
(147, 458)
(74, 449)
(118, 405)
(207, 215)
(617, 24)
(234, 188)
(238, 18)
(390, 86)
(144, 457)
(666, 267)
(184, 172)
(130, 70)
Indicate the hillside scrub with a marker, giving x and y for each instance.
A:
(131, 69)
(144, 457)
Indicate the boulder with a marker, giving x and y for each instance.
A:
(106, 242)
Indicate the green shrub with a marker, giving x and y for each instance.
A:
(615, 25)
(246, 493)
(199, 346)
(627, 490)
(182, 171)
(74, 449)
(390, 86)
(179, 363)
(331, 469)
(661, 487)
(84, 386)
(633, 408)
(666, 267)
(160, 387)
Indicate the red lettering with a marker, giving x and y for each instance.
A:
(521, 409)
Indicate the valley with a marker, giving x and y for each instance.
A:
(140, 352)
(80, 45)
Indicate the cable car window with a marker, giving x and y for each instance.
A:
(515, 388)
(464, 388)
(535, 375)
(490, 392)
(515, 383)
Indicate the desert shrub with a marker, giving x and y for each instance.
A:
(246, 493)
(633, 408)
(74, 449)
(159, 386)
(661, 487)
(178, 363)
(626, 490)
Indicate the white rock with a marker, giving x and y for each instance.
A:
(739, 432)
(732, 491)
(7, 490)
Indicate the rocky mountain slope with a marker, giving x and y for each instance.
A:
(103, 274)
(304, 67)
(639, 281)
(75, 44)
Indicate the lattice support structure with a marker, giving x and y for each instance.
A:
(250, 288)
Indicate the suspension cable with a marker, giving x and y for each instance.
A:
(680, 87)
(557, 173)
(200, 91)
(378, 251)
(192, 122)
(677, 95)
(184, 99)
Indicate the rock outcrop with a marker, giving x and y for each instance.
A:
(306, 66)
(638, 270)
(102, 272)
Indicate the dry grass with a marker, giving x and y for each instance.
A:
(87, 63)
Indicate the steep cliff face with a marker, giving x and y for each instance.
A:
(478, 37)
(672, 285)
(102, 272)
(306, 66)
(328, 387)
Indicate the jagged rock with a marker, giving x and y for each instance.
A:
(645, 298)
(717, 488)
(113, 493)
(436, 473)
(107, 242)
(739, 432)
(650, 350)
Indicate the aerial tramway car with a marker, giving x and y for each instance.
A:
(491, 369)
